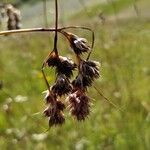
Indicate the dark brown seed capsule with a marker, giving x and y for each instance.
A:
(62, 85)
(79, 45)
(53, 60)
(65, 66)
(90, 69)
(79, 105)
(56, 119)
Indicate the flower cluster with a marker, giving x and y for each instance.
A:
(79, 45)
(55, 110)
(77, 99)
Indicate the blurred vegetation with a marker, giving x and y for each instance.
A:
(123, 49)
(19, 2)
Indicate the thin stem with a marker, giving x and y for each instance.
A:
(27, 30)
(60, 30)
(56, 26)
(45, 79)
(101, 94)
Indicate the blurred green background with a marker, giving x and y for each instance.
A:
(122, 29)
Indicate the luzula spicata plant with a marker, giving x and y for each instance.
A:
(88, 71)
(75, 91)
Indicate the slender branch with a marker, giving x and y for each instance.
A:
(47, 30)
(56, 26)
(93, 40)
(45, 79)
(27, 30)
(60, 30)
(101, 94)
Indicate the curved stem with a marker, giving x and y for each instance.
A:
(81, 27)
(45, 79)
(85, 28)
(60, 30)
(101, 94)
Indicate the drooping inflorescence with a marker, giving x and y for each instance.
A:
(74, 89)
(67, 86)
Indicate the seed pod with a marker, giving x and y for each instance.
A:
(50, 97)
(55, 113)
(78, 82)
(65, 66)
(90, 69)
(62, 85)
(48, 111)
(52, 60)
(56, 119)
(79, 45)
(79, 105)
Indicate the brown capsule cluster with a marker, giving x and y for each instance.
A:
(55, 110)
(14, 17)
(75, 90)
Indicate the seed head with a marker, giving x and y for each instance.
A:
(90, 69)
(65, 66)
(62, 85)
(81, 82)
(50, 97)
(56, 119)
(79, 105)
(55, 113)
(52, 60)
(79, 45)
(78, 82)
